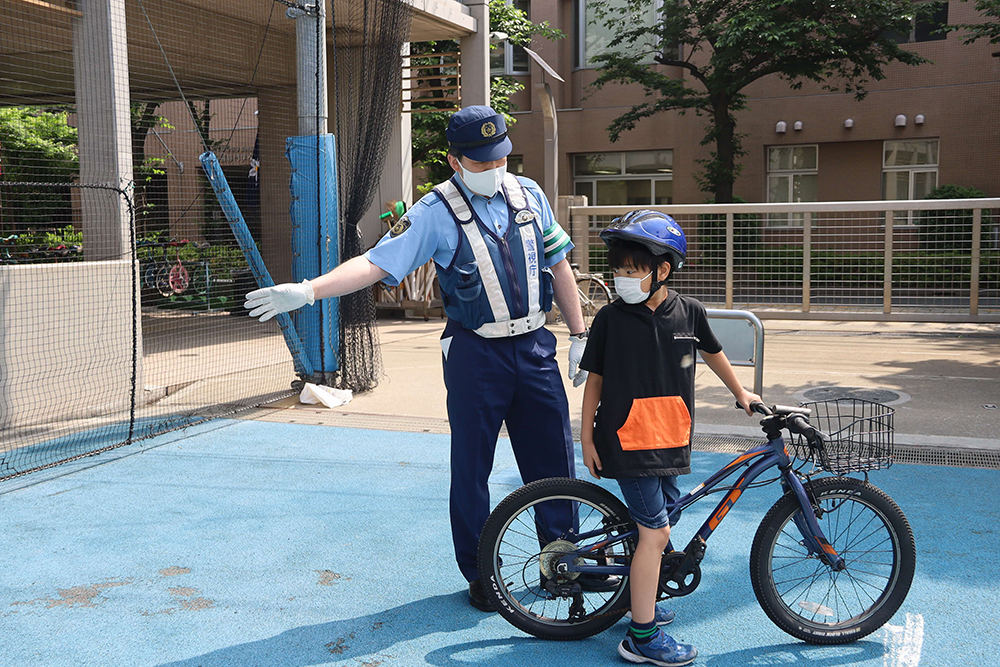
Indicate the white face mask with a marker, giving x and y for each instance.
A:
(485, 183)
(630, 289)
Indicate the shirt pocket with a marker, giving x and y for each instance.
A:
(661, 422)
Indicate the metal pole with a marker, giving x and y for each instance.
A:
(977, 235)
(806, 261)
(887, 248)
(310, 36)
(730, 260)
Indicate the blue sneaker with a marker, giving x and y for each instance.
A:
(662, 616)
(661, 650)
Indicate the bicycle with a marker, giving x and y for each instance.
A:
(593, 292)
(831, 561)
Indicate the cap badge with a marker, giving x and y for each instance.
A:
(489, 129)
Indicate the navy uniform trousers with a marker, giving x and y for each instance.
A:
(491, 381)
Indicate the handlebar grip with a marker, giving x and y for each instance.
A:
(798, 424)
(755, 406)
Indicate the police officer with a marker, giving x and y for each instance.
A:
(500, 258)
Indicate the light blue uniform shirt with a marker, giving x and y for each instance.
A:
(433, 233)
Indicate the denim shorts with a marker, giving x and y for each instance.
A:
(649, 499)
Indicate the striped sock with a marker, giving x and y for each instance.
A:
(642, 633)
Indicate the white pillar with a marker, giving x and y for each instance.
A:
(100, 60)
(476, 56)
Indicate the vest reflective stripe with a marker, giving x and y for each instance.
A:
(515, 192)
(488, 272)
(531, 257)
(455, 200)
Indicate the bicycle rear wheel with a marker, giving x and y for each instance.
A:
(594, 295)
(806, 598)
(515, 554)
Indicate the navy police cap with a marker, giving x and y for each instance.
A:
(479, 133)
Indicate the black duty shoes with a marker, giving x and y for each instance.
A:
(477, 597)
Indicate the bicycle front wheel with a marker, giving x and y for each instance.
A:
(527, 535)
(806, 598)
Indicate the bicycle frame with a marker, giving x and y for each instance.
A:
(763, 457)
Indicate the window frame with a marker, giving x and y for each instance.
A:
(580, 26)
(592, 179)
(509, 50)
(786, 219)
(906, 218)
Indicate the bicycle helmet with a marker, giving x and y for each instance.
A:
(659, 232)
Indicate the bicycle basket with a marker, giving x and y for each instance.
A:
(860, 436)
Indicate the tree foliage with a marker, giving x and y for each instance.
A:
(36, 145)
(430, 148)
(988, 30)
(720, 47)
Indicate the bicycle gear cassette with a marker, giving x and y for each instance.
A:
(548, 560)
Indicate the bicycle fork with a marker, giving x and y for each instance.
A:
(813, 538)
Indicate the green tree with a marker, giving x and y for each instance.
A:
(36, 145)
(988, 30)
(430, 148)
(721, 47)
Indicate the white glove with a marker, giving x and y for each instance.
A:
(267, 302)
(577, 344)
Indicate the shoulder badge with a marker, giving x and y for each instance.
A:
(400, 227)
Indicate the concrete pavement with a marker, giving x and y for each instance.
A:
(944, 380)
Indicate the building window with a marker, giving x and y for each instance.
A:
(625, 179)
(515, 165)
(508, 59)
(792, 177)
(593, 37)
(909, 171)
(909, 168)
(927, 26)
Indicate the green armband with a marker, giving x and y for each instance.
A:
(555, 239)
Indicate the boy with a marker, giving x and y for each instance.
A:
(638, 405)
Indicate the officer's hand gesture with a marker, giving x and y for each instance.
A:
(267, 302)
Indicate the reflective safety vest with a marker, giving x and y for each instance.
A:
(497, 286)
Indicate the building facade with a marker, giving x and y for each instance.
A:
(920, 127)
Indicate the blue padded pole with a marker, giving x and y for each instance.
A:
(213, 170)
(313, 211)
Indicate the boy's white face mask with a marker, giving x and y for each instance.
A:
(630, 289)
(485, 183)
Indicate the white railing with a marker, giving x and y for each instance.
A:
(935, 259)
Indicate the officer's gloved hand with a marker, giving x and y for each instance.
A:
(267, 302)
(577, 344)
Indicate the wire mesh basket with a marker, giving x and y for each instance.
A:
(860, 436)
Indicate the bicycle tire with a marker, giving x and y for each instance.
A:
(163, 281)
(179, 279)
(812, 602)
(594, 295)
(511, 557)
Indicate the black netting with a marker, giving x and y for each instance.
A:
(367, 70)
(121, 283)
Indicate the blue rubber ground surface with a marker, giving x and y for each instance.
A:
(252, 543)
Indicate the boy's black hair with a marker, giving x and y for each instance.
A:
(622, 252)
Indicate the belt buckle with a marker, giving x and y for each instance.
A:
(519, 326)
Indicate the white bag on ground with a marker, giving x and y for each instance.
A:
(313, 394)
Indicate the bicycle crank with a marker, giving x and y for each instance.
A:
(679, 575)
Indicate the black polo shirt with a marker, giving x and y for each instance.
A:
(647, 359)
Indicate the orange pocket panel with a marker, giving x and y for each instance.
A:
(661, 422)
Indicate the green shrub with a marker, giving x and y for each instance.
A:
(944, 230)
